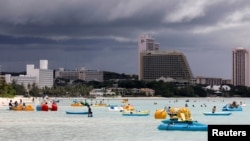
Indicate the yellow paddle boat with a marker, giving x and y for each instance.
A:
(76, 104)
(128, 107)
(100, 105)
(22, 108)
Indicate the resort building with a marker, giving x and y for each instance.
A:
(211, 81)
(41, 77)
(155, 64)
(44, 76)
(241, 67)
(208, 80)
(81, 74)
(145, 43)
(168, 64)
(23, 80)
(101, 92)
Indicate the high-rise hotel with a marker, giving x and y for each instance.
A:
(241, 67)
(155, 64)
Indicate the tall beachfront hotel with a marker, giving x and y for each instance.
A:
(155, 64)
(145, 43)
(241, 67)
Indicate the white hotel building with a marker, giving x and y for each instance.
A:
(156, 64)
(42, 77)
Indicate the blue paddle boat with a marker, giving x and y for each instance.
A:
(230, 107)
(180, 119)
(182, 125)
(176, 121)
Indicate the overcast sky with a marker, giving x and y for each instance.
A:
(103, 34)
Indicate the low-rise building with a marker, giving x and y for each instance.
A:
(82, 74)
(101, 92)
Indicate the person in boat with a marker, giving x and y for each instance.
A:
(21, 102)
(16, 104)
(10, 104)
(24, 105)
(90, 114)
(214, 109)
(234, 105)
(168, 110)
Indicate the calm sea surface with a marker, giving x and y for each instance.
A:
(108, 125)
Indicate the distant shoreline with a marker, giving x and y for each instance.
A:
(29, 99)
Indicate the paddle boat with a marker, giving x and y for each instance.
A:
(124, 101)
(180, 119)
(115, 108)
(45, 107)
(128, 107)
(100, 105)
(136, 113)
(79, 103)
(232, 107)
(77, 112)
(217, 113)
(22, 108)
(184, 126)
(76, 103)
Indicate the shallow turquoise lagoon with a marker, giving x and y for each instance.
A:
(108, 125)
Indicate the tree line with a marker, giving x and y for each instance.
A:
(81, 88)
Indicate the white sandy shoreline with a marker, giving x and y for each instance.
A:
(5, 101)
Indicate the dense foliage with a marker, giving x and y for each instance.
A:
(65, 88)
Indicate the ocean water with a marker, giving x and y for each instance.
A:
(108, 125)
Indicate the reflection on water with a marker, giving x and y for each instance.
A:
(108, 125)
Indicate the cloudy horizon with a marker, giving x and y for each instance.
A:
(103, 35)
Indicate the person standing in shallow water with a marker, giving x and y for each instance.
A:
(90, 114)
(214, 109)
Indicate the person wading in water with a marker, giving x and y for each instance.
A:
(90, 114)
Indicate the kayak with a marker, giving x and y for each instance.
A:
(217, 113)
(136, 113)
(77, 112)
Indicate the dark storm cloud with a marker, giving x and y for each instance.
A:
(102, 34)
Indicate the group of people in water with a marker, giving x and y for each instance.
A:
(15, 104)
